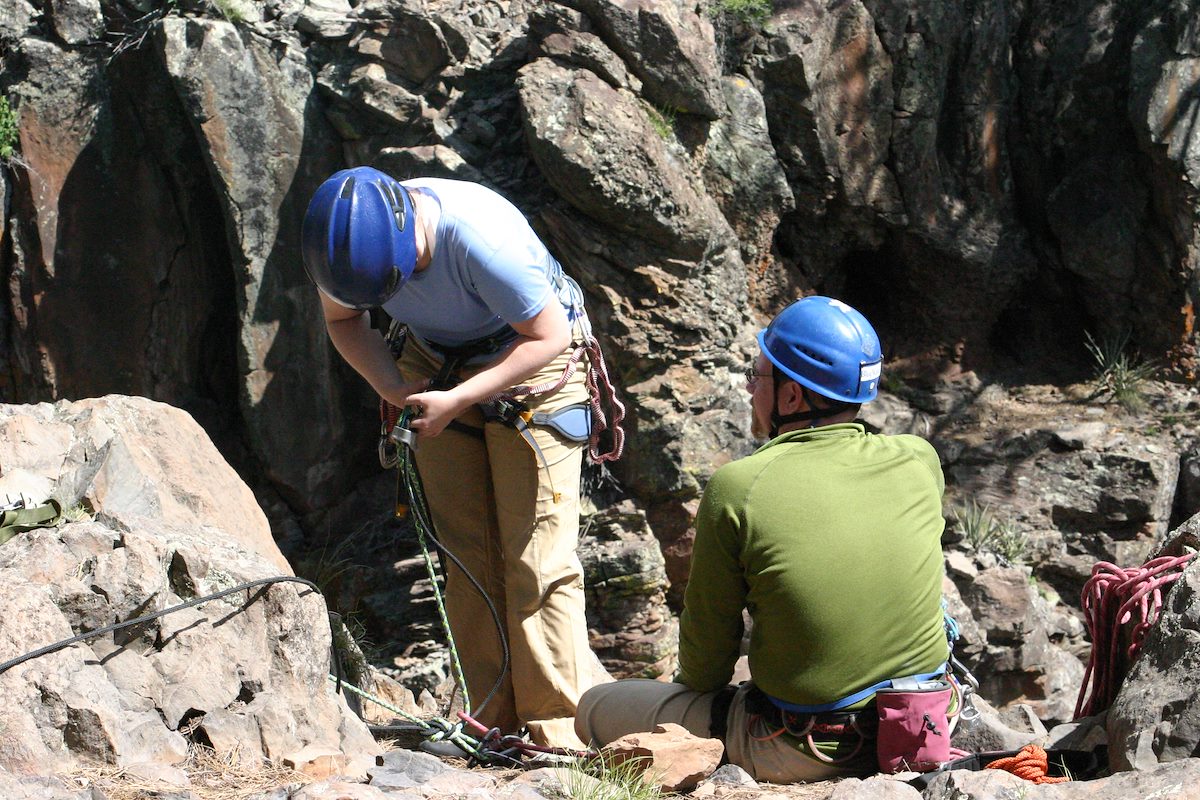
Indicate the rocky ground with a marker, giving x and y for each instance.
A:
(1071, 476)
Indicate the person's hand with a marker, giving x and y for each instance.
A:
(437, 410)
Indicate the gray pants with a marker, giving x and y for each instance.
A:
(612, 710)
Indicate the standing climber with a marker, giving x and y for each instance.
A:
(487, 308)
(830, 537)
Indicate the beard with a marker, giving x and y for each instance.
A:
(759, 430)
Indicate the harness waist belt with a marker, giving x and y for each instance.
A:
(858, 696)
(483, 346)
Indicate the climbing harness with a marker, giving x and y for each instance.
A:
(832, 737)
(1119, 606)
(579, 423)
(910, 721)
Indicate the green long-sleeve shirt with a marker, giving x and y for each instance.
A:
(831, 538)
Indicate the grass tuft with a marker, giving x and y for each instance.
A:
(229, 10)
(662, 120)
(605, 778)
(985, 533)
(1120, 373)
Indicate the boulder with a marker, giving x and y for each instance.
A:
(669, 755)
(1017, 662)
(155, 520)
(668, 45)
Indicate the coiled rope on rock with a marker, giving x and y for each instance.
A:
(1119, 606)
(1030, 763)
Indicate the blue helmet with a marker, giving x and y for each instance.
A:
(358, 238)
(826, 346)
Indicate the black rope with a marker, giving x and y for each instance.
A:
(65, 643)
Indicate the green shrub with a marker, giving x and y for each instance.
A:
(1010, 543)
(662, 120)
(750, 11)
(229, 10)
(9, 133)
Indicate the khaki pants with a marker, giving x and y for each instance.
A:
(610, 711)
(494, 506)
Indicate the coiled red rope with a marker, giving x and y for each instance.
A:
(1119, 601)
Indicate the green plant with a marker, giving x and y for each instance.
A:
(974, 521)
(751, 11)
(76, 513)
(230, 10)
(1009, 543)
(326, 567)
(984, 533)
(8, 130)
(1119, 373)
(605, 778)
(662, 120)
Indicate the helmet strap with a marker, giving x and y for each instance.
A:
(811, 416)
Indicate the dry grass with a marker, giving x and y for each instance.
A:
(213, 776)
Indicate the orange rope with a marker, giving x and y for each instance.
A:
(1030, 763)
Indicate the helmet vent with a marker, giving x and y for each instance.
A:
(393, 194)
(816, 357)
(394, 281)
(347, 189)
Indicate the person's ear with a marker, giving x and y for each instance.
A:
(791, 399)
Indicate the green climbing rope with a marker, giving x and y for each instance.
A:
(422, 518)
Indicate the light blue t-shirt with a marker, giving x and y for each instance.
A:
(489, 269)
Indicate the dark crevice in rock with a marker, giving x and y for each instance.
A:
(179, 578)
(191, 725)
(871, 281)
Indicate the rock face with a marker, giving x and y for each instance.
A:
(1011, 638)
(631, 629)
(957, 173)
(157, 519)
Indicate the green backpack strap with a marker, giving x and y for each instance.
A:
(19, 520)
